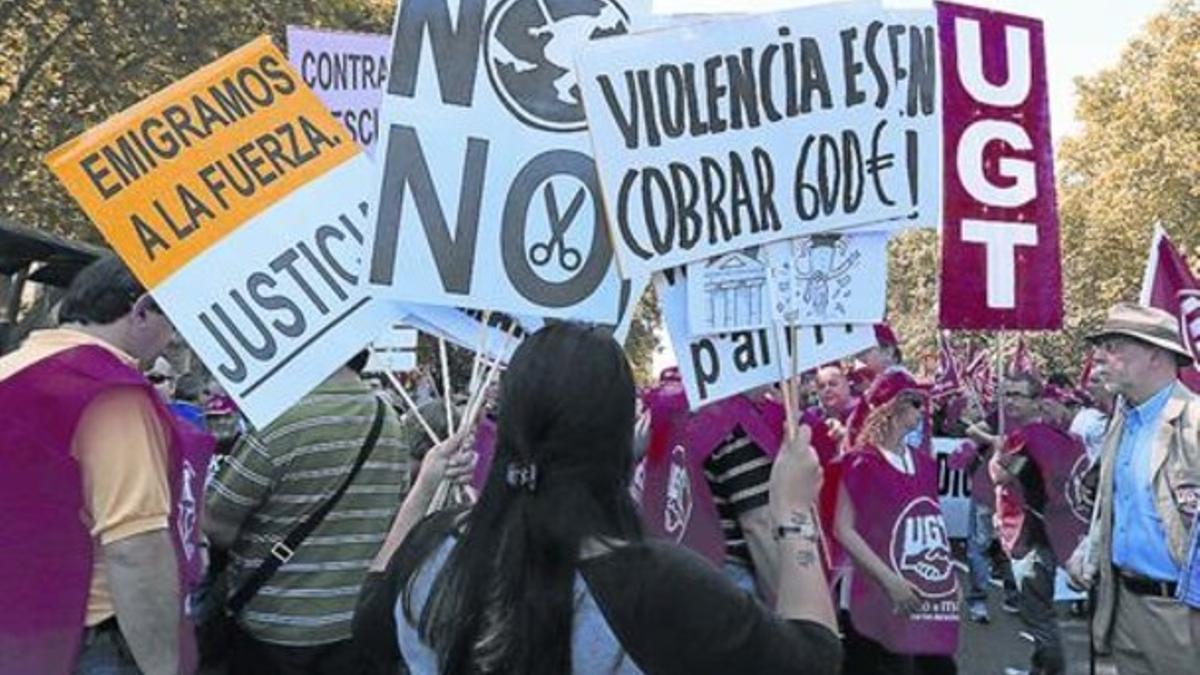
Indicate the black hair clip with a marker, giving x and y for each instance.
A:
(521, 476)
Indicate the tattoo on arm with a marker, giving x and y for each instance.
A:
(806, 558)
(800, 518)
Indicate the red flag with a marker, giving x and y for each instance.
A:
(948, 381)
(1168, 284)
(979, 376)
(1022, 361)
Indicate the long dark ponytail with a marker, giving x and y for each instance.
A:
(504, 602)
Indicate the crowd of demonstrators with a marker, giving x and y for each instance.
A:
(316, 544)
(550, 572)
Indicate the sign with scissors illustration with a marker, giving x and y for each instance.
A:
(569, 258)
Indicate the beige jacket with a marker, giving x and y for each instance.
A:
(1175, 477)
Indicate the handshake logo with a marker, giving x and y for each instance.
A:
(921, 549)
(677, 512)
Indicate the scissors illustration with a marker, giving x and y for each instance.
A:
(569, 258)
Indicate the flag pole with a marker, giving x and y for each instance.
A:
(999, 383)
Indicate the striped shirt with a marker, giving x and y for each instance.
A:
(738, 473)
(274, 478)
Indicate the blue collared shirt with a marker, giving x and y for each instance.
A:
(1189, 582)
(1139, 538)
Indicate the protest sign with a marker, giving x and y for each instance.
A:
(1001, 267)
(464, 327)
(818, 345)
(237, 200)
(394, 351)
(713, 367)
(347, 71)
(820, 279)
(954, 487)
(734, 133)
(489, 197)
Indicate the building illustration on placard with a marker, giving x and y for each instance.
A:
(735, 287)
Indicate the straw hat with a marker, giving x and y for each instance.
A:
(1145, 324)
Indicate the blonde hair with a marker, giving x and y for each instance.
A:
(881, 421)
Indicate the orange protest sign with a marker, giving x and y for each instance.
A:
(168, 178)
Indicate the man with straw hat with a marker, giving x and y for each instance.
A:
(1149, 488)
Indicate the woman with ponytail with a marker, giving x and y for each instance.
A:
(550, 574)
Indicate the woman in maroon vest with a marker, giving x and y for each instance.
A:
(903, 609)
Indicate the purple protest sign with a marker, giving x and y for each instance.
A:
(347, 71)
(1001, 265)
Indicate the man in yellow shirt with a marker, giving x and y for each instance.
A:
(122, 448)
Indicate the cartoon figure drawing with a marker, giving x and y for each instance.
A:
(677, 512)
(823, 264)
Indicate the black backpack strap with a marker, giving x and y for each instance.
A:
(283, 551)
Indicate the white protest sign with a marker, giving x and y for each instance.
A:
(714, 367)
(489, 197)
(820, 279)
(241, 204)
(829, 278)
(728, 134)
(464, 327)
(347, 71)
(394, 351)
(818, 345)
(954, 487)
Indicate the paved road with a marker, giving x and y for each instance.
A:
(989, 649)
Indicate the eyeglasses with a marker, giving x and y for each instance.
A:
(158, 378)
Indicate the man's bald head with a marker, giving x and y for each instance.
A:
(833, 388)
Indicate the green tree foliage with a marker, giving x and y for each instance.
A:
(1134, 162)
(643, 340)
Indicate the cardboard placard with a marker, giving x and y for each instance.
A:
(713, 367)
(815, 280)
(237, 200)
(725, 135)
(489, 197)
(347, 71)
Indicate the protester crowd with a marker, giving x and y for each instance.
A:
(149, 530)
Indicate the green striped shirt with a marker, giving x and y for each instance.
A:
(274, 478)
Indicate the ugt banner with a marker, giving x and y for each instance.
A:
(1001, 267)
